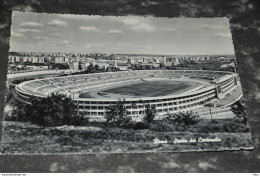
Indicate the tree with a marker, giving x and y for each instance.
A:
(187, 119)
(116, 113)
(20, 112)
(96, 67)
(55, 110)
(10, 93)
(60, 66)
(149, 113)
(238, 108)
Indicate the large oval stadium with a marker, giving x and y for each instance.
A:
(167, 90)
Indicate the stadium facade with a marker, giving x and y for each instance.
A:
(213, 85)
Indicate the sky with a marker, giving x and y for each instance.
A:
(41, 32)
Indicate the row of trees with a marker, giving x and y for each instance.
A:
(117, 116)
(209, 65)
(59, 66)
(55, 110)
(187, 64)
(58, 109)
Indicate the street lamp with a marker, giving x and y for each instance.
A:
(209, 105)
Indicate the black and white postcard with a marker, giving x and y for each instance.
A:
(122, 84)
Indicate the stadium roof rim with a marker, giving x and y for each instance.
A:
(225, 77)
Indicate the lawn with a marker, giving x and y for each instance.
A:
(149, 88)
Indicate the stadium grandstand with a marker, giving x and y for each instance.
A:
(90, 91)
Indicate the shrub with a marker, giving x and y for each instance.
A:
(222, 126)
(130, 125)
(79, 121)
(161, 126)
(10, 93)
(181, 128)
(127, 123)
(228, 142)
(238, 108)
(214, 121)
(141, 126)
(188, 118)
(8, 117)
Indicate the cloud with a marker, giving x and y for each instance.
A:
(170, 30)
(130, 21)
(29, 30)
(66, 43)
(30, 24)
(137, 25)
(57, 23)
(223, 34)
(56, 35)
(16, 34)
(136, 46)
(89, 28)
(115, 31)
(54, 29)
(40, 38)
(143, 27)
(96, 45)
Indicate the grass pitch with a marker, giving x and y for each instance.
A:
(149, 88)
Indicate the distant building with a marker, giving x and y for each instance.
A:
(122, 66)
(171, 61)
(14, 59)
(27, 59)
(11, 59)
(37, 60)
(32, 67)
(74, 66)
(84, 66)
(148, 66)
(61, 60)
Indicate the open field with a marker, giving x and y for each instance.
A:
(26, 138)
(144, 89)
